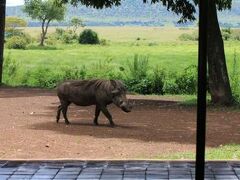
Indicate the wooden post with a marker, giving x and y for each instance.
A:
(202, 89)
(2, 30)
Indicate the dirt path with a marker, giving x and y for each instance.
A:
(28, 129)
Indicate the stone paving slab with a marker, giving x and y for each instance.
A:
(115, 170)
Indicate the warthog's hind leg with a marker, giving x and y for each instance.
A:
(108, 115)
(64, 111)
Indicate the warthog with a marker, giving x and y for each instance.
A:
(92, 92)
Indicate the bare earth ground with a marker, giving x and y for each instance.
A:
(28, 129)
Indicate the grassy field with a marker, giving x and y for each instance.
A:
(160, 44)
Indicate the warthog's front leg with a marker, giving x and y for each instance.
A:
(107, 114)
(97, 112)
(64, 111)
(58, 113)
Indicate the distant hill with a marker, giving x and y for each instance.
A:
(131, 13)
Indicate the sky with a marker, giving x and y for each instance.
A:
(15, 2)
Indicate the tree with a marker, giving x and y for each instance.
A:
(219, 85)
(2, 27)
(76, 23)
(14, 22)
(45, 11)
(12, 25)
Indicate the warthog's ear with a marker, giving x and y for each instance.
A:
(115, 92)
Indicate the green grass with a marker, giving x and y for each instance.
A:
(167, 51)
(161, 45)
(226, 152)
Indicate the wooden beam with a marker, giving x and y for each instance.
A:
(202, 90)
(2, 32)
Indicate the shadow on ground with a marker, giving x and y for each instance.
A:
(162, 122)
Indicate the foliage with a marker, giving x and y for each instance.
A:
(104, 42)
(76, 23)
(187, 81)
(226, 34)
(189, 37)
(17, 32)
(88, 36)
(14, 22)
(66, 36)
(137, 69)
(16, 42)
(180, 7)
(45, 11)
(235, 77)
(10, 66)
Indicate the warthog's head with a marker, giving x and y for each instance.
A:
(120, 99)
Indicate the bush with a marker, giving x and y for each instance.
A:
(158, 79)
(137, 69)
(69, 37)
(66, 36)
(16, 32)
(16, 42)
(189, 37)
(226, 34)
(235, 78)
(104, 42)
(187, 81)
(88, 36)
(10, 67)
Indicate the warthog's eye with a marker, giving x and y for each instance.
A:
(121, 101)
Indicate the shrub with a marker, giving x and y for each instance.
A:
(143, 86)
(137, 69)
(187, 81)
(59, 32)
(17, 32)
(189, 37)
(88, 36)
(153, 44)
(104, 42)
(226, 34)
(234, 77)
(16, 42)
(69, 37)
(158, 79)
(10, 67)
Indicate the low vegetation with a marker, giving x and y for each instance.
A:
(159, 68)
(223, 152)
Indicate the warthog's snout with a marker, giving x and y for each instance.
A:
(126, 107)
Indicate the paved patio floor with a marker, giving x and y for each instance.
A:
(114, 170)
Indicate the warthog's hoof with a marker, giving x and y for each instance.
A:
(67, 122)
(112, 125)
(95, 122)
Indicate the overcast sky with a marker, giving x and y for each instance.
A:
(15, 2)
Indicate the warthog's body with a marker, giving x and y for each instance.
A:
(92, 92)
